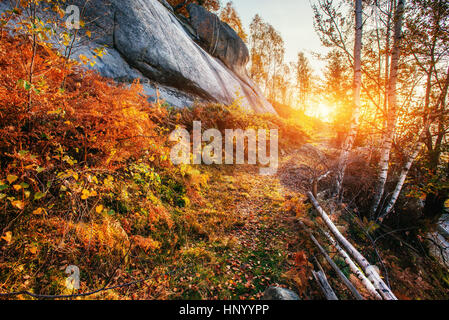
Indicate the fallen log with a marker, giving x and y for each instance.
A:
(369, 270)
(324, 285)
(337, 270)
(354, 268)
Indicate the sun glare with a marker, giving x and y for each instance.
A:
(322, 111)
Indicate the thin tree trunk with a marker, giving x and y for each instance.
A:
(387, 60)
(416, 151)
(384, 163)
(347, 146)
(33, 9)
(401, 181)
(369, 270)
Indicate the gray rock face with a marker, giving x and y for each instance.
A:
(152, 40)
(278, 293)
(145, 40)
(219, 39)
(166, 4)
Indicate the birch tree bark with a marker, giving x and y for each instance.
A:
(384, 162)
(354, 268)
(347, 146)
(401, 181)
(324, 285)
(419, 146)
(329, 260)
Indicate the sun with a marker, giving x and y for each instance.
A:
(322, 111)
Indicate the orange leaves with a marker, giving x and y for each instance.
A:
(18, 204)
(11, 178)
(7, 237)
(39, 211)
(103, 122)
(147, 244)
(300, 259)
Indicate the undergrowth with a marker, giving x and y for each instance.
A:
(86, 180)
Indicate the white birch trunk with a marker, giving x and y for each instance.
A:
(354, 268)
(369, 270)
(384, 163)
(401, 181)
(349, 142)
(415, 153)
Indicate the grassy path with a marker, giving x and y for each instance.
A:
(246, 240)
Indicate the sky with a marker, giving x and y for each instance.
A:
(292, 18)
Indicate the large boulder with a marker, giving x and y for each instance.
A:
(145, 40)
(152, 40)
(219, 39)
(278, 293)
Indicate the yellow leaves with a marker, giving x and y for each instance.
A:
(112, 154)
(18, 204)
(86, 194)
(89, 34)
(55, 112)
(7, 237)
(33, 250)
(99, 52)
(17, 187)
(39, 211)
(11, 178)
(92, 179)
(99, 209)
(108, 181)
(83, 58)
(39, 195)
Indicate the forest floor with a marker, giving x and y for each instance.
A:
(252, 240)
(256, 242)
(244, 236)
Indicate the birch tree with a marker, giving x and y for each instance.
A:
(357, 87)
(427, 45)
(417, 149)
(384, 162)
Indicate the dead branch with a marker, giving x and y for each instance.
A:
(369, 270)
(324, 285)
(354, 268)
(340, 274)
